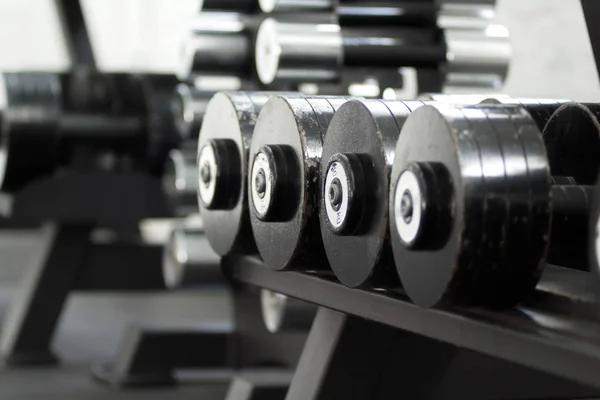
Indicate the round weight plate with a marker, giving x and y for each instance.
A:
(441, 269)
(368, 131)
(28, 130)
(229, 116)
(517, 235)
(290, 238)
(491, 252)
(528, 265)
(572, 139)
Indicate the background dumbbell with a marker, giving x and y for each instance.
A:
(188, 260)
(180, 180)
(188, 107)
(245, 6)
(293, 52)
(219, 44)
(49, 122)
(361, 12)
(283, 314)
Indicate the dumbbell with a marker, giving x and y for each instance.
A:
(363, 13)
(189, 261)
(180, 180)
(218, 44)
(305, 52)
(466, 14)
(285, 314)
(222, 165)
(188, 107)
(463, 99)
(358, 153)
(41, 126)
(302, 52)
(283, 178)
(472, 199)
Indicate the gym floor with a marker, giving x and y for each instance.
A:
(91, 329)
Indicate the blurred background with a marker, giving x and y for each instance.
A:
(139, 35)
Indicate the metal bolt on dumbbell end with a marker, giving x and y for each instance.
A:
(218, 164)
(271, 191)
(262, 187)
(408, 206)
(346, 194)
(207, 168)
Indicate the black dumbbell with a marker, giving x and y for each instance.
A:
(180, 180)
(218, 44)
(223, 147)
(283, 189)
(42, 125)
(306, 52)
(188, 107)
(299, 52)
(358, 153)
(472, 198)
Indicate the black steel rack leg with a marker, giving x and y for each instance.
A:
(345, 357)
(148, 356)
(348, 357)
(31, 321)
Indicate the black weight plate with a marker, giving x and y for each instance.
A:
(368, 129)
(292, 243)
(540, 113)
(534, 259)
(519, 211)
(572, 139)
(433, 277)
(230, 116)
(489, 282)
(28, 130)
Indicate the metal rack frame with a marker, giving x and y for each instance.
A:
(554, 333)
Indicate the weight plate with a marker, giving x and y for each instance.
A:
(491, 252)
(440, 269)
(517, 238)
(289, 136)
(28, 130)
(365, 131)
(572, 139)
(538, 170)
(229, 117)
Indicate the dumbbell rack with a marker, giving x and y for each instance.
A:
(73, 209)
(547, 347)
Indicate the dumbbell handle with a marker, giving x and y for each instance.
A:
(572, 200)
(100, 127)
(391, 13)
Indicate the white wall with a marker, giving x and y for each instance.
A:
(552, 55)
(552, 52)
